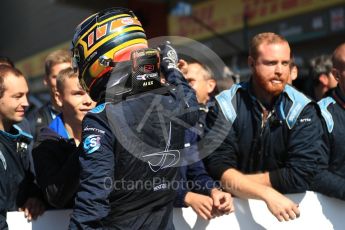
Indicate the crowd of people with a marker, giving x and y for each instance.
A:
(131, 132)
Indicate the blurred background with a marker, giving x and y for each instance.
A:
(31, 29)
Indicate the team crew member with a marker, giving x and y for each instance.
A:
(17, 189)
(267, 136)
(331, 182)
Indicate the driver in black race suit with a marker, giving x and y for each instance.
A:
(132, 139)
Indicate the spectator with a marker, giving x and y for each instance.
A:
(24, 124)
(201, 78)
(18, 190)
(267, 136)
(227, 80)
(323, 79)
(133, 136)
(54, 63)
(207, 201)
(224, 84)
(331, 182)
(55, 153)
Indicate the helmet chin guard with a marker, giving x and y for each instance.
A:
(139, 75)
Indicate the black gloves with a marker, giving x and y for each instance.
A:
(168, 56)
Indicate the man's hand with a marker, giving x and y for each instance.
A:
(33, 208)
(222, 202)
(280, 206)
(239, 184)
(201, 204)
(168, 56)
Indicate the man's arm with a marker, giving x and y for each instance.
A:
(96, 176)
(185, 95)
(307, 154)
(330, 181)
(330, 184)
(280, 206)
(261, 178)
(205, 198)
(222, 162)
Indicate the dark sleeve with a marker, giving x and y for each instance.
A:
(185, 96)
(193, 175)
(96, 176)
(26, 125)
(28, 188)
(3, 223)
(57, 170)
(196, 172)
(3, 197)
(181, 190)
(195, 179)
(328, 181)
(32, 189)
(220, 144)
(307, 154)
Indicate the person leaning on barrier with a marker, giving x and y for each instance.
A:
(201, 79)
(267, 136)
(203, 196)
(17, 188)
(331, 182)
(56, 151)
(135, 136)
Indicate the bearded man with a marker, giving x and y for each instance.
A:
(266, 138)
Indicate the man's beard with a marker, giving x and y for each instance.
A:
(269, 87)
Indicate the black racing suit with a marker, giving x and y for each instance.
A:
(130, 158)
(331, 181)
(16, 178)
(289, 143)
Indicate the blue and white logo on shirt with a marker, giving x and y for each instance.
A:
(92, 143)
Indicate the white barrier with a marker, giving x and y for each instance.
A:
(317, 212)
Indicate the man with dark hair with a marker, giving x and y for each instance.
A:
(331, 181)
(266, 138)
(18, 190)
(322, 76)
